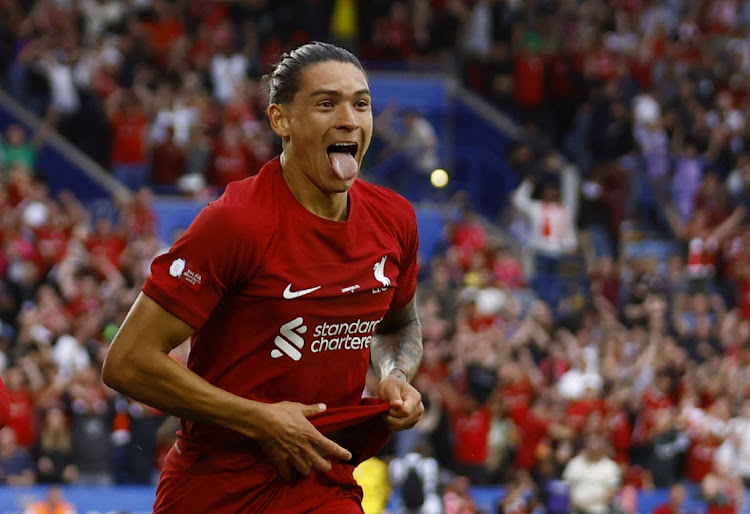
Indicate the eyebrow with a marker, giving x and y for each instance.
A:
(333, 92)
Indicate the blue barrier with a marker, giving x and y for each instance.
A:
(86, 499)
(139, 499)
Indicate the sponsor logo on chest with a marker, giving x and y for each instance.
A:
(325, 337)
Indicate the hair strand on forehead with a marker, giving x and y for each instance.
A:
(284, 80)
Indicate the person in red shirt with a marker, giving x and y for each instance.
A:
(168, 161)
(654, 399)
(129, 125)
(140, 216)
(289, 286)
(532, 430)
(4, 404)
(232, 160)
(470, 429)
(618, 425)
(578, 410)
(106, 241)
(516, 391)
(21, 407)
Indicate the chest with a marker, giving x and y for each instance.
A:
(340, 267)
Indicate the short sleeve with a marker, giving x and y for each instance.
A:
(407, 279)
(214, 255)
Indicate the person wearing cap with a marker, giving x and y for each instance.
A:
(288, 286)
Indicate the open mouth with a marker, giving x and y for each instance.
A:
(342, 157)
(350, 148)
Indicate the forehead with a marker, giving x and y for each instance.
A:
(342, 77)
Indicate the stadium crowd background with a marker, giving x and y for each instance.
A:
(637, 111)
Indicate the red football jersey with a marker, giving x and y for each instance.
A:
(284, 303)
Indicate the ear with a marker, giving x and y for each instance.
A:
(279, 119)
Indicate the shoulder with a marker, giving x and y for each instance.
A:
(245, 208)
(384, 203)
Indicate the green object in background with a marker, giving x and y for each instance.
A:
(532, 41)
(109, 332)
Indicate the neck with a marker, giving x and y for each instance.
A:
(331, 206)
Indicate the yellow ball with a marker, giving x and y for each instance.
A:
(439, 178)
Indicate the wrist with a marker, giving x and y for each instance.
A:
(399, 374)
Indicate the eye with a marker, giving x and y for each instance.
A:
(363, 104)
(326, 104)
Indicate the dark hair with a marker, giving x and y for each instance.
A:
(283, 81)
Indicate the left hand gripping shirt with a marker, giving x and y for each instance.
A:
(284, 303)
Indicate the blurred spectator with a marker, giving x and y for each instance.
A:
(372, 476)
(411, 151)
(16, 467)
(232, 160)
(54, 504)
(21, 421)
(228, 66)
(416, 476)
(471, 429)
(457, 497)
(91, 426)
(129, 125)
(668, 446)
(551, 236)
(53, 452)
(502, 438)
(16, 149)
(167, 161)
(675, 503)
(723, 495)
(594, 478)
(521, 496)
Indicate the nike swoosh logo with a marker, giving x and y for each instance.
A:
(290, 295)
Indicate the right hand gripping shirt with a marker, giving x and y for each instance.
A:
(284, 303)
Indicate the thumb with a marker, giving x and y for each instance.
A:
(311, 410)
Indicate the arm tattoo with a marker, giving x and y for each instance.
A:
(396, 347)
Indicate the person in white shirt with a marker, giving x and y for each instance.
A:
(428, 470)
(594, 478)
(734, 454)
(551, 235)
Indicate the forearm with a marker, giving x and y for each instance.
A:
(398, 352)
(138, 365)
(396, 348)
(158, 380)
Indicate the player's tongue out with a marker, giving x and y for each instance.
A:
(342, 161)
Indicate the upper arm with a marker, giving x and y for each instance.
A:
(216, 253)
(148, 328)
(397, 318)
(522, 196)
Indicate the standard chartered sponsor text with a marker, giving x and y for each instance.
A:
(355, 335)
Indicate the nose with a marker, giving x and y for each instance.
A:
(346, 118)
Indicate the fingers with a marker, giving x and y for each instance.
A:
(404, 420)
(316, 461)
(390, 391)
(309, 410)
(284, 470)
(308, 458)
(407, 410)
(331, 449)
(300, 464)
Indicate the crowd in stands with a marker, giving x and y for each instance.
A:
(610, 356)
